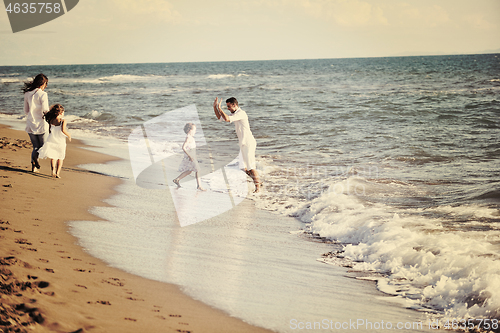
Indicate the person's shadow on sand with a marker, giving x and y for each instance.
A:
(13, 169)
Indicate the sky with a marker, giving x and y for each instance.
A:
(152, 31)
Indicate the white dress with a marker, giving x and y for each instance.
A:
(55, 146)
(187, 164)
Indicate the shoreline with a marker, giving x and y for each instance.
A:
(50, 284)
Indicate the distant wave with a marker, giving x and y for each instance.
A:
(225, 76)
(11, 80)
(129, 78)
(100, 116)
(219, 76)
(119, 78)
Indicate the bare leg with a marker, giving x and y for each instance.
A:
(53, 167)
(182, 175)
(199, 183)
(59, 167)
(256, 180)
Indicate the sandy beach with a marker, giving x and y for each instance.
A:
(49, 284)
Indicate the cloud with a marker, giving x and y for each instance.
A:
(404, 14)
(151, 10)
(355, 13)
(478, 21)
(346, 13)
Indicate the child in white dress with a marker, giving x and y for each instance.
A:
(55, 146)
(189, 163)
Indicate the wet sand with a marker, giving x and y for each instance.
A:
(49, 284)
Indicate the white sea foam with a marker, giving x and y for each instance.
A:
(470, 211)
(454, 273)
(11, 80)
(118, 78)
(220, 76)
(129, 78)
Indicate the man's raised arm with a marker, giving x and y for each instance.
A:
(217, 114)
(218, 111)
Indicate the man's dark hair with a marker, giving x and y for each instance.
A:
(232, 100)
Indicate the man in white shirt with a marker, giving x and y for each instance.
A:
(245, 137)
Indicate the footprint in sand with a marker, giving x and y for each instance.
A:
(2, 222)
(100, 302)
(136, 299)
(114, 282)
(81, 270)
(80, 330)
(8, 261)
(43, 284)
(23, 241)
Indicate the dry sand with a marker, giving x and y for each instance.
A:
(49, 284)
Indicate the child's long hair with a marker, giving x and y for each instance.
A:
(37, 82)
(55, 110)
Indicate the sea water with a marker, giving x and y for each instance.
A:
(392, 162)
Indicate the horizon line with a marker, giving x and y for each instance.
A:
(262, 60)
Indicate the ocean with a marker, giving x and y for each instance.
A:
(391, 164)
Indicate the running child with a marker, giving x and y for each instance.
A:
(55, 146)
(189, 163)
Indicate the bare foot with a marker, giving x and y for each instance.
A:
(199, 188)
(257, 187)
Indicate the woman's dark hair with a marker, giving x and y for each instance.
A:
(37, 82)
(55, 110)
(188, 127)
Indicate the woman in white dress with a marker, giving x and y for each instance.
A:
(55, 147)
(36, 104)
